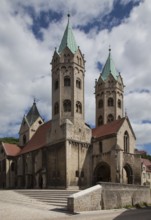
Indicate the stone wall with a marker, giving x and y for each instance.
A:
(115, 195)
(109, 196)
(86, 200)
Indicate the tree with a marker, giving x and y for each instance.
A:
(9, 140)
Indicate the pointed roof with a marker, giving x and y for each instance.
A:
(33, 114)
(109, 68)
(68, 39)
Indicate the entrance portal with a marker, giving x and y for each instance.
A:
(40, 182)
(101, 173)
(127, 174)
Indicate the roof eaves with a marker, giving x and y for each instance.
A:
(104, 137)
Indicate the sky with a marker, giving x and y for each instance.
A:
(29, 32)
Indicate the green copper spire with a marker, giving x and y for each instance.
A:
(68, 39)
(109, 68)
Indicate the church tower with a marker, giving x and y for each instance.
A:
(68, 70)
(69, 136)
(109, 89)
(68, 67)
(30, 124)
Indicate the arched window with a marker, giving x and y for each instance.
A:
(100, 147)
(78, 83)
(110, 118)
(110, 101)
(77, 59)
(126, 142)
(119, 103)
(100, 120)
(12, 166)
(66, 58)
(119, 117)
(67, 105)
(80, 61)
(56, 84)
(100, 103)
(66, 81)
(56, 108)
(78, 107)
(24, 139)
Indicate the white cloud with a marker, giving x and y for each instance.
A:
(82, 11)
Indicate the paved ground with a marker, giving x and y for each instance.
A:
(19, 212)
(14, 206)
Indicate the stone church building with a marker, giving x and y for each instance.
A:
(66, 152)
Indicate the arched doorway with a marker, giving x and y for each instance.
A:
(127, 174)
(101, 173)
(40, 181)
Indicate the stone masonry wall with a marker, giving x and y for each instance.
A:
(86, 200)
(115, 195)
(109, 196)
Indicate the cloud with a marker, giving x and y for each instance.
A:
(80, 10)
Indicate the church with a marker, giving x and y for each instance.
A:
(66, 152)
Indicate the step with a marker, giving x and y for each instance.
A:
(51, 197)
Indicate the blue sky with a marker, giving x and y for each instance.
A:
(29, 32)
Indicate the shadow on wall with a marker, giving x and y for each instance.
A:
(136, 214)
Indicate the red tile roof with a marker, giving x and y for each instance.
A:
(107, 129)
(147, 163)
(140, 152)
(11, 149)
(39, 139)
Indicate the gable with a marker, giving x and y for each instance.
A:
(126, 127)
(38, 140)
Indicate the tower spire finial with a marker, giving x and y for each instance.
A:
(68, 15)
(109, 48)
(34, 101)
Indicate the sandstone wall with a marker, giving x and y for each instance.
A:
(109, 196)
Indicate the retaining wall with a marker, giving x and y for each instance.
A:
(109, 196)
(115, 195)
(85, 200)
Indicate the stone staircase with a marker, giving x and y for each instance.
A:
(48, 197)
(41, 199)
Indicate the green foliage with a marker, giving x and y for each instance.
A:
(9, 140)
(128, 207)
(146, 156)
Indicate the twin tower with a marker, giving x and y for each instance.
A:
(68, 71)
